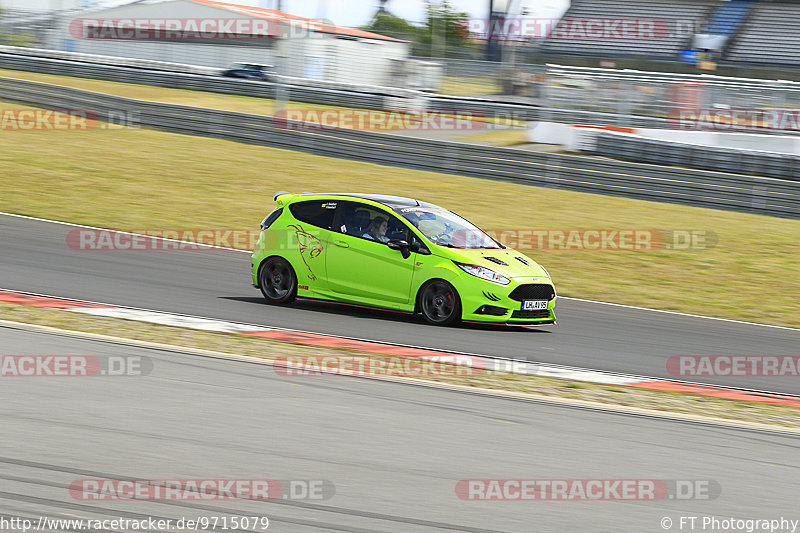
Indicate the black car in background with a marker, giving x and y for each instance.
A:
(250, 71)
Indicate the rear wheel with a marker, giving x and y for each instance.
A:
(277, 281)
(440, 303)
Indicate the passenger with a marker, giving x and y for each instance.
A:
(377, 230)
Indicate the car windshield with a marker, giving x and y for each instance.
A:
(445, 228)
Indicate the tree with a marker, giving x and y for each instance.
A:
(387, 24)
(440, 35)
(443, 33)
(10, 36)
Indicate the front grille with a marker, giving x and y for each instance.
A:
(533, 313)
(533, 291)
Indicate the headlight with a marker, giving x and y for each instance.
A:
(484, 273)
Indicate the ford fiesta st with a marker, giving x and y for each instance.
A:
(398, 254)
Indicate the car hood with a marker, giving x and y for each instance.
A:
(513, 268)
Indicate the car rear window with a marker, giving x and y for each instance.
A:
(318, 213)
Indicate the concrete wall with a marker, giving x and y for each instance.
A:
(785, 144)
(576, 138)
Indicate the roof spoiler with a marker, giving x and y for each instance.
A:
(277, 194)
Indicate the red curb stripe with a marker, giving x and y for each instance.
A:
(312, 339)
(43, 301)
(728, 394)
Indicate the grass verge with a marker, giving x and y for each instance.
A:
(666, 402)
(135, 179)
(151, 93)
(456, 86)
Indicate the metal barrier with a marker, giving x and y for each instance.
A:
(587, 174)
(661, 152)
(314, 95)
(574, 95)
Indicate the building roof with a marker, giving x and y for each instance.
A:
(274, 15)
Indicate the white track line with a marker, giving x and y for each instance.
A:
(688, 315)
(216, 325)
(501, 364)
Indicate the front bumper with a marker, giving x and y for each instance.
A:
(494, 303)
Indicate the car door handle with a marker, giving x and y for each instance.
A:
(342, 244)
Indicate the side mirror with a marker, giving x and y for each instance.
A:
(419, 248)
(399, 244)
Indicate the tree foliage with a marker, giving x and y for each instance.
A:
(439, 35)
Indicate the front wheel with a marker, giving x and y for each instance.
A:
(277, 281)
(440, 303)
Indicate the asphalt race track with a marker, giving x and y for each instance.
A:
(393, 452)
(215, 283)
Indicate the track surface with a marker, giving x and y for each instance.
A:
(394, 452)
(215, 283)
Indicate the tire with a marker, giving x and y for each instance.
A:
(440, 303)
(277, 281)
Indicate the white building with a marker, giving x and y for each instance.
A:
(216, 34)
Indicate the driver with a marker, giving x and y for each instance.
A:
(377, 230)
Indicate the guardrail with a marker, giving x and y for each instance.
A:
(116, 61)
(661, 152)
(572, 95)
(666, 77)
(314, 95)
(587, 174)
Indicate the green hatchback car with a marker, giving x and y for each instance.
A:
(398, 254)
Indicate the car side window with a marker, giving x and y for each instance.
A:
(318, 213)
(272, 217)
(370, 223)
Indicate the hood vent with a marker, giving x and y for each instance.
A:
(495, 260)
(523, 260)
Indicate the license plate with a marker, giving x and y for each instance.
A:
(530, 305)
